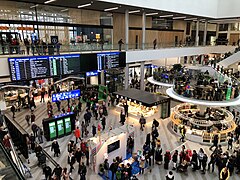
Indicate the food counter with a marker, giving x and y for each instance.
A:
(138, 109)
(202, 129)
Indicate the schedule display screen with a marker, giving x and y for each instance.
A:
(66, 95)
(111, 60)
(43, 66)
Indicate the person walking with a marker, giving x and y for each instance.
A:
(55, 148)
(224, 174)
(175, 159)
(82, 171)
(194, 160)
(27, 118)
(183, 133)
(94, 130)
(103, 123)
(34, 129)
(142, 122)
(122, 118)
(125, 106)
(154, 43)
(13, 109)
(170, 176)
(142, 165)
(39, 135)
(230, 141)
(77, 134)
(120, 43)
(167, 158)
(57, 171)
(215, 142)
(48, 172)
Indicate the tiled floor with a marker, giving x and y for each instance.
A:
(168, 138)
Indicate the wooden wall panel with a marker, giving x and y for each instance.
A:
(132, 38)
(136, 21)
(118, 28)
(234, 38)
(81, 16)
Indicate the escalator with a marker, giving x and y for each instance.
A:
(233, 59)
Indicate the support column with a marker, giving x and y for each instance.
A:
(197, 31)
(126, 76)
(142, 85)
(217, 30)
(143, 29)
(205, 33)
(126, 28)
(179, 60)
(102, 78)
(228, 33)
(165, 62)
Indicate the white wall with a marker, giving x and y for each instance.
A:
(4, 68)
(148, 55)
(206, 8)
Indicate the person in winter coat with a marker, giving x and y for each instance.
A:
(194, 160)
(78, 155)
(48, 172)
(94, 130)
(167, 158)
(55, 148)
(174, 159)
(158, 155)
(57, 171)
(142, 122)
(142, 165)
(103, 123)
(224, 174)
(77, 134)
(204, 162)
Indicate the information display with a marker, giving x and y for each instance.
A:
(60, 127)
(66, 95)
(52, 130)
(114, 146)
(43, 66)
(68, 128)
(111, 60)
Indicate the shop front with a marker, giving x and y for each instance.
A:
(143, 103)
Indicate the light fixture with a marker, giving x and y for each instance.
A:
(136, 11)
(189, 19)
(164, 16)
(85, 5)
(151, 14)
(110, 9)
(63, 10)
(47, 2)
(181, 17)
(33, 6)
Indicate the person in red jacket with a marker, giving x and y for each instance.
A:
(77, 134)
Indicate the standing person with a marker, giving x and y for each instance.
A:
(200, 157)
(183, 133)
(122, 118)
(34, 129)
(94, 130)
(83, 127)
(204, 163)
(170, 176)
(194, 160)
(113, 168)
(224, 174)
(106, 168)
(48, 172)
(77, 134)
(42, 94)
(158, 155)
(125, 106)
(58, 46)
(120, 43)
(57, 171)
(154, 43)
(103, 123)
(215, 142)
(58, 103)
(142, 121)
(87, 156)
(175, 159)
(39, 135)
(13, 109)
(142, 165)
(33, 117)
(78, 155)
(27, 118)
(65, 174)
(212, 161)
(27, 44)
(72, 161)
(230, 141)
(55, 148)
(167, 158)
(82, 171)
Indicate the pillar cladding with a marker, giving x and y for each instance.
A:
(142, 85)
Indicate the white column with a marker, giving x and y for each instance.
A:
(102, 78)
(205, 33)
(126, 76)
(179, 60)
(165, 62)
(197, 31)
(143, 29)
(126, 28)
(142, 76)
(228, 33)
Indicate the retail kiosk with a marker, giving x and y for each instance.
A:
(143, 103)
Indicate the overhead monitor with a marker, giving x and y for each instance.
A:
(68, 127)
(111, 60)
(60, 128)
(66, 95)
(52, 130)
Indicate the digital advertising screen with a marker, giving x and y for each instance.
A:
(111, 60)
(52, 130)
(68, 127)
(92, 73)
(66, 95)
(60, 127)
(114, 146)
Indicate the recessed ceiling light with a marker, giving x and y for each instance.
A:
(47, 2)
(189, 19)
(151, 14)
(111, 9)
(164, 16)
(63, 10)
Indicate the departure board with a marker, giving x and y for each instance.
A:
(111, 60)
(36, 67)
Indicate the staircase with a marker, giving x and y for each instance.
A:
(235, 58)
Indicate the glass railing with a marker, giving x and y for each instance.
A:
(83, 47)
(8, 169)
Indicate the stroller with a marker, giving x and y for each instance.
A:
(41, 159)
(183, 167)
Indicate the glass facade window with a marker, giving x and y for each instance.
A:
(162, 23)
(223, 27)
